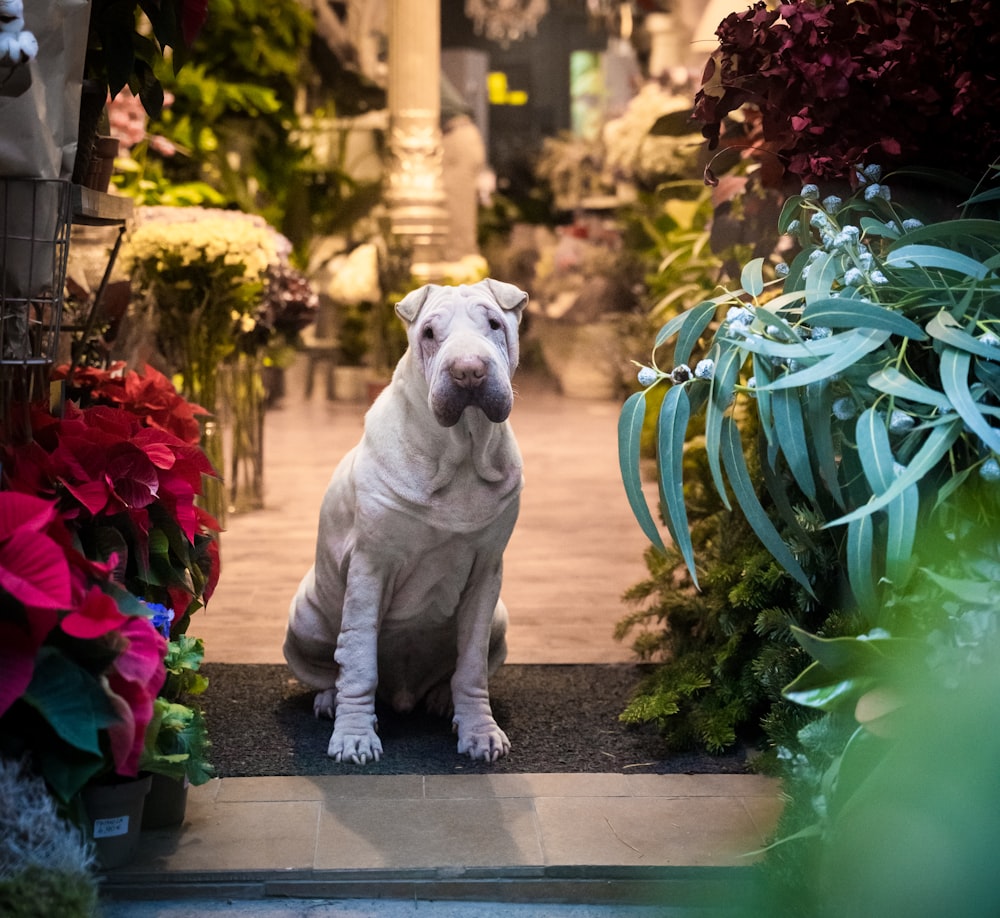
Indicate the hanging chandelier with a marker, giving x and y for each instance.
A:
(505, 21)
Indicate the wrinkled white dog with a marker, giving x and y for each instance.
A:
(404, 597)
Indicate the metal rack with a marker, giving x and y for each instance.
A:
(34, 245)
(35, 220)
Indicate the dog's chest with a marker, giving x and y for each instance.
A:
(430, 586)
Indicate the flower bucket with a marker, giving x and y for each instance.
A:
(166, 802)
(114, 816)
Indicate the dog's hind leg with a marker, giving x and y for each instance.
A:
(325, 703)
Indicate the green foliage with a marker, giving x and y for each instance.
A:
(177, 740)
(38, 891)
(669, 229)
(723, 652)
(872, 373)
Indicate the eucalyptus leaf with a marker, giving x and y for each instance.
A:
(671, 432)
(955, 382)
(893, 382)
(860, 572)
(933, 256)
(901, 533)
(854, 345)
(752, 277)
(937, 443)
(791, 435)
(727, 366)
(630, 424)
(843, 312)
(944, 328)
(822, 276)
(699, 318)
(819, 414)
(756, 516)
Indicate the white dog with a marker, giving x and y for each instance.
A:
(404, 595)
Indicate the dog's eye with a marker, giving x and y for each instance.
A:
(429, 333)
(495, 324)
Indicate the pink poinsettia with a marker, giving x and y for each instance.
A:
(133, 683)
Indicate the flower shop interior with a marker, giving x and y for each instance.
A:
(751, 254)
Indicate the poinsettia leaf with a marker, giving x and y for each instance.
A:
(34, 570)
(70, 699)
(24, 511)
(95, 616)
(816, 687)
(18, 648)
(850, 655)
(630, 423)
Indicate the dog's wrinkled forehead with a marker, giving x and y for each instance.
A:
(506, 296)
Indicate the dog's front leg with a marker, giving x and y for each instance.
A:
(354, 736)
(479, 735)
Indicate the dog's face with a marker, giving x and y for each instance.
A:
(464, 340)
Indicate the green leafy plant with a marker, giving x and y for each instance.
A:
(177, 740)
(872, 373)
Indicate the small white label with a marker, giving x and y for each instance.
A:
(110, 828)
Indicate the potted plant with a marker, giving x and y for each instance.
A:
(97, 513)
(177, 743)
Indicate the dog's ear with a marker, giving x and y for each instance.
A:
(507, 295)
(408, 307)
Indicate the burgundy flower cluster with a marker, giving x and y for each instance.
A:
(837, 83)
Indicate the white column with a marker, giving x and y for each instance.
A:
(415, 193)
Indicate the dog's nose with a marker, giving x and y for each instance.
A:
(468, 372)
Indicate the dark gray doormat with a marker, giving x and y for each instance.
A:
(559, 718)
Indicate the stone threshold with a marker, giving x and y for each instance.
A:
(679, 840)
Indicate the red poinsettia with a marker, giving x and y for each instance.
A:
(837, 84)
(98, 519)
(149, 394)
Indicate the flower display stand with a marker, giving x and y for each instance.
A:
(114, 815)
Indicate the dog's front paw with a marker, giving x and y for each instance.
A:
(325, 703)
(355, 739)
(484, 740)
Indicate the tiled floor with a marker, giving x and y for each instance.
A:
(668, 839)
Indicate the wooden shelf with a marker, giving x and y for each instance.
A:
(97, 208)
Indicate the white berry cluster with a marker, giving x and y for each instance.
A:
(17, 44)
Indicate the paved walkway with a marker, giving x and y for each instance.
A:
(601, 844)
